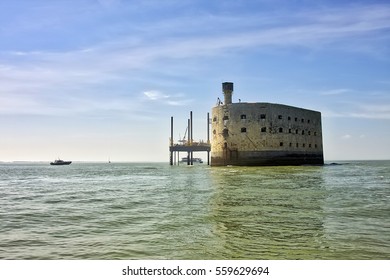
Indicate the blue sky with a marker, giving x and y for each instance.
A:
(90, 80)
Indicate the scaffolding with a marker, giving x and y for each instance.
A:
(189, 146)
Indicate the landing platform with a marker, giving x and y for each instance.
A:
(195, 147)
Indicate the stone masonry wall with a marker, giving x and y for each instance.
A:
(241, 130)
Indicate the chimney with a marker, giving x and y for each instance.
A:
(227, 89)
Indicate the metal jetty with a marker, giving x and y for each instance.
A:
(188, 146)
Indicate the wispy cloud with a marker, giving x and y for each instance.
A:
(363, 110)
(155, 95)
(308, 28)
(339, 91)
(39, 75)
(372, 111)
(172, 100)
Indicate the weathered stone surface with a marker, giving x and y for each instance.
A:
(265, 134)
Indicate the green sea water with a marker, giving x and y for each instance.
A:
(157, 211)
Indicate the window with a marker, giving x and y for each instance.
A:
(309, 132)
(280, 129)
(289, 118)
(289, 130)
(214, 131)
(243, 129)
(303, 145)
(296, 131)
(263, 129)
(296, 119)
(214, 119)
(308, 121)
(281, 144)
(315, 146)
(290, 144)
(303, 120)
(280, 117)
(309, 145)
(225, 132)
(243, 117)
(315, 133)
(297, 145)
(225, 120)
(262, 116)
(303, 132)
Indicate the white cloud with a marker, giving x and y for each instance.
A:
(155, 95)
(42, 74)
(357, 112)
(373, 111)
(312, 28)
(367, 104)
(346, 136)
(172, 100)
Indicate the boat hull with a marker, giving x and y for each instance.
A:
(61, 163)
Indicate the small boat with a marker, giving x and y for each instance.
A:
(60, 162)
(194, 160)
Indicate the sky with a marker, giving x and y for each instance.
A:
(92, 80)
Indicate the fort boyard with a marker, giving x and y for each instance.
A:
(254, 134)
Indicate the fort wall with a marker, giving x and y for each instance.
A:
(265, 134)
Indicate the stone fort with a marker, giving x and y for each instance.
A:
(264, 133)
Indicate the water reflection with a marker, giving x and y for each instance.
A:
(268, 213)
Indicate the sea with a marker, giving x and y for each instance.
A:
(157, 211)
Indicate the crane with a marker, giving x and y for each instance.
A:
(184, 137)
